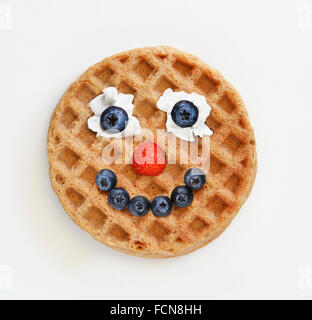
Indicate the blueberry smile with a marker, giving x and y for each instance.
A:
(118, 198)
(161, 206)
(182, 196)
(106, 180)
(195, 178)
(139, 206)
(194, 181)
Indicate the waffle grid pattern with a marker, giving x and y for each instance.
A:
(75, 154)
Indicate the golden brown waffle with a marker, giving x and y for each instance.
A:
(75, 154)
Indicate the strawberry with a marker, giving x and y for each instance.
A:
(149, 159)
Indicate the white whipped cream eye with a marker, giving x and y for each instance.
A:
(113, 115)
(186, 114)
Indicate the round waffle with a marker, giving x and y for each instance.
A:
(75, 154)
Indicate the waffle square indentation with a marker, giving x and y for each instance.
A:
(144, 109)
(118, 233)
(104, 75)
(206, 84)
(216, 205)
(69, 117)
(163, 84)
(85, 94)
(198, 225)
(86, 136)
(89, 175)
(158, 231)
(68, 157)
(212, 123)
(232, 144)
(124, 87)
(183, 68)
(74, 197)
(143, 69)
(215, 165)
(226, 104)
(95, 217)
(233, 183)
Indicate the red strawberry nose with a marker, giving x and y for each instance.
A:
(149, 159)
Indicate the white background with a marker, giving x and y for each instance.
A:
(263, 48)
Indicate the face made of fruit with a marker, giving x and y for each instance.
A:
(113, 119)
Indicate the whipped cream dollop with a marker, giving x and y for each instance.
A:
(111, 97)
(166, 103)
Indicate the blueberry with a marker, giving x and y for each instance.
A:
(195, 178)
(184, 114)
(182, 196)
(118, 198)
(106, 180)
(161, 206)
(114, 119)
(139, 206)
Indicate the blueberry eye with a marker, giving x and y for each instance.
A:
(114, 119)
(184, 114)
